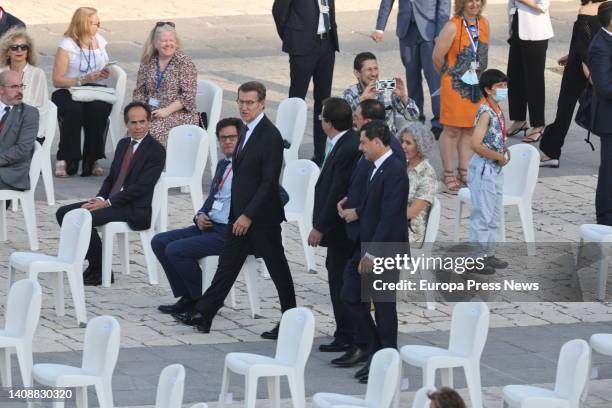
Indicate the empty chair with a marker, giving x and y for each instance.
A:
(291, 122)
(209, 99)
(116, 126)
(249, 272)
(383, 378)
(572, 375)
(170, 387)
(292, 351)
(186, 154)
(602, 343)
(468, 335)
(100, 352)
(602, 235)
(21, 319)
(48, 131)
(75, 233)
(27, 201)
(520, 178)
(122, 229)
(299, 179)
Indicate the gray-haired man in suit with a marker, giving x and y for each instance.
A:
(18, 129)
(418, 24)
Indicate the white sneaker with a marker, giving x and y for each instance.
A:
(553, 163)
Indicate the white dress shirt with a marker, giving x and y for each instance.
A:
(321, 27)
(335, 139)
(378, 162)
(250, 126)
(609, 32)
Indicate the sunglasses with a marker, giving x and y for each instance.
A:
(163, 23)
(22, 47)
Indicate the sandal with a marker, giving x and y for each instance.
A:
(451, 185)
(97, 169)
(530, 139)
(60, 169)
(462, 176)
(523, 129)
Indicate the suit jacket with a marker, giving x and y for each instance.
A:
(332, 185)
(17, 139)
(297, 22)
(255, 186)
(9, 21)
(424, 13)
(137, 193)
(359, 182)
(600, 65)
(382, 215)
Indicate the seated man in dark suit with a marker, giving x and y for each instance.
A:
(382, 219)
(178, 251)
(127, 191)
(18, 129)
(600, 56)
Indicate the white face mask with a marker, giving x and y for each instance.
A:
(470, 77)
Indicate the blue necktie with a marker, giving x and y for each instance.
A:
(214, 187)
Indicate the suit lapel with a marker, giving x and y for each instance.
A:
(139, 154)
(8, 124)
(250, 142)
(333, 152)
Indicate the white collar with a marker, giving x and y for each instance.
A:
(335, 139)
(253, 124)
(378, 162)
(609, 32)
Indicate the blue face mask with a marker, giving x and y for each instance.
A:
(470, 77)
(501, 94)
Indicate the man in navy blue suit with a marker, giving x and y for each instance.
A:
(382, 220)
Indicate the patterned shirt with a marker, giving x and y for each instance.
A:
(393, 105)
(494, 138)
(423, 183)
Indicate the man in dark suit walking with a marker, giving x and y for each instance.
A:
(309, 34)
(599, 62)
(256, 212)
(382, 221)
(127, 191)
(341, 154)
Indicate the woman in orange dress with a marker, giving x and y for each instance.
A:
(460, 55)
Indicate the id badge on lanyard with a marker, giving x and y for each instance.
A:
(470, 77)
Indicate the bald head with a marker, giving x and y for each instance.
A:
(10, 88)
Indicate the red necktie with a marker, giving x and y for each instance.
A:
(4, 117)
(125, 166)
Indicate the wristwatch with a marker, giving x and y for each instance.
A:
(79, 81)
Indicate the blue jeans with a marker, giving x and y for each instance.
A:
(178, 252)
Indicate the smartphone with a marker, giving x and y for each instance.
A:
(385, 84)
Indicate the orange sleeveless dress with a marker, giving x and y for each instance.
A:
(459, 101)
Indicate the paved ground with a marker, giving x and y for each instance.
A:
(232, 42)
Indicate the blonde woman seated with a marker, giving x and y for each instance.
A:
(417, 143)
(167, 81)
(18, 54)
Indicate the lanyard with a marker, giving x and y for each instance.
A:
(159, 74)
(220, 184)
(87, 59)
(473, 43)
(502, 120)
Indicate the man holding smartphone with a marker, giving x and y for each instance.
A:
(399, 108)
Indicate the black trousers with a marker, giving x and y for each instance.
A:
(338, 256)
(572, 86)
(378, 334)
(72, 116)
(603, 195)
(526, 89)
(318, 65)
(267, 243)
(98, 217)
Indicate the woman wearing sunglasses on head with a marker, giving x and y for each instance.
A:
(17, 53)
(81, 59)
(167, 81)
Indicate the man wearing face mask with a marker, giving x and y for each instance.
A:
(398, 106)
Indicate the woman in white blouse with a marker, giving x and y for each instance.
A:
(81, 59)
(18, 54)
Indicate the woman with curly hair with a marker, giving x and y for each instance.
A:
(460, 55)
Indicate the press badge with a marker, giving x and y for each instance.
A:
(217, 205)
(154, 102)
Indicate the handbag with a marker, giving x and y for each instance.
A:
(583, 114)
(90, 93)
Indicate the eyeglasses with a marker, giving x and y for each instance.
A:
(163, 23)
(14, 87)
(17, 47)
(98, 24)
(248, 104)
(228, 138)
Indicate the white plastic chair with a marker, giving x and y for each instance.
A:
(75, 234)
(572, 374)
(383, 378)
(21, 319)
(602, 343)
(100, 353)
(170, 387)
(186, 154)
(291, 122)
(602, 235)
(209, 99)
(122, 229)
(468, 335)
(116, 125)
(293, 348)
(49, 128)
(27, 201)
(421, 400)
(200, 405)
(249, 271)
(299, 180)
(520, 178)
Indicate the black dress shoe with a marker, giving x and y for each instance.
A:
(351, 358)
(95, 279)
(195, 319)
(335, 347)
(72, 166)
(363, 380)
(363, 371)
(272, 334)
(184, 304)
(91, 271)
